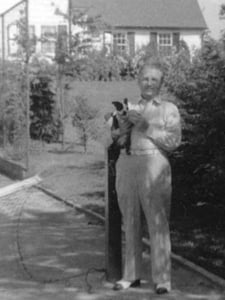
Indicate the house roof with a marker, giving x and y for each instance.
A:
(184, 14)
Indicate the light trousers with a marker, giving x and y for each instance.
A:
(145, 181)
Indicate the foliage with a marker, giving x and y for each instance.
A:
(222, 10)
(82, 39)
(25, 42)
(13, 109)
(44, 124)
(81, 60)
(83, 117)
(97, 66)
(199, 163)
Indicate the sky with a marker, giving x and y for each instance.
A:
(210, 9)
(5, 4)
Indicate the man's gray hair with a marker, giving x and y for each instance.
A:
(151, 62)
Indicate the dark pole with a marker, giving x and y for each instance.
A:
(27, 86)
(70, 25)
(113, 219)
(61, 100)
(3, 78)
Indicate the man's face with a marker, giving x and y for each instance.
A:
(150, 81)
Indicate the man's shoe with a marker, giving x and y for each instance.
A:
(123, 284)
(161, 290)
(135, 283)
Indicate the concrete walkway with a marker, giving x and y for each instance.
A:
(49, 251)
(5, 181)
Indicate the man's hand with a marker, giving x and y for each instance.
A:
(137, 119)
(134, 117)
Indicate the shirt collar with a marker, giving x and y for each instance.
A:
(156, 100)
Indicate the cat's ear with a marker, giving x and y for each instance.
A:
(125, 101)
(118, 105)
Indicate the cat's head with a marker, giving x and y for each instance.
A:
(121, 107)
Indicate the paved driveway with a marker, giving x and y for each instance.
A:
(49, 251)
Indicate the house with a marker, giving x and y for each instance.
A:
(211, 12)
(44, 24)
(132, 24)
(136, 23)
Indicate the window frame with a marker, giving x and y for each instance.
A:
(48, 46)
(12, 33)
(166, 47)
(122, 43)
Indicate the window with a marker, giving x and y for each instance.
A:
(48, 39)
(12, 39)
(120, 44)
(15, 38)
(165, 43)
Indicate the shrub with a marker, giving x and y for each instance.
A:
(13, 109)
(83, 117)
(45, 123)
(99, 66)
(199, 162)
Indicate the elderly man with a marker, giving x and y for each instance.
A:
(143, 179)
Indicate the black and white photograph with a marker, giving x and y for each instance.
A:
(112, 149)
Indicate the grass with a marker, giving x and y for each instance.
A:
(73, 174)
(101, 94)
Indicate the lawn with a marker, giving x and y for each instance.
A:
(73, 174)
(101, 94)
(80, 177)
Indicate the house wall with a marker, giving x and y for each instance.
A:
(42, 13)
(192, 39)
(142, 38)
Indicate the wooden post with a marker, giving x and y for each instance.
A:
(27, 73)
(70, 26)
(3, 81)
(113, 219)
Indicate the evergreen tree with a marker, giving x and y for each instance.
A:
(45, 123)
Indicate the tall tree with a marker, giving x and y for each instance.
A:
(222, 10)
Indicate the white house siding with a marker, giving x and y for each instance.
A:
(10, 29)
(142, 38)
(192, 39)
(42, 13)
